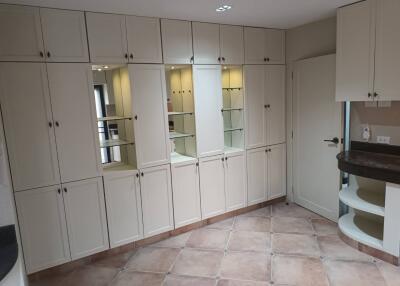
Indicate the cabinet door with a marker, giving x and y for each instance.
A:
(74, 119)
(275, 45)
(208, 104)
(256, 176)
(86, 217)
(231, 44)
(186, 193)
(20, 33)
(387, 59)
(107, 38)
(177, 41)
(144, 39)
(275, 100)
(124, 211)
(254, 45)
(64, 34)
(206, 43)
(254, 87)
(43, 228)
(28, 125)
(276, 158)
(212, 187)
(149, 108)
(355, 51)
(235, 181)
(156, 200)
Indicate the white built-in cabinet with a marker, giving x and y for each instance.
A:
(124, 210)
(264, 46)
(231, 44)
(276, 161)
(41, 34)
(235, 181)
(117, 38)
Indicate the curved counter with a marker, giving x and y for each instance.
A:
(8, 249)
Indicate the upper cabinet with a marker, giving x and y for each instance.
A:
(264, 46)
(177, 41)
(231, 44)
(21, 30)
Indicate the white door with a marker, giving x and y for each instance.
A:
(275, 101)
(64, 35)
(275, 46)
(206, 43)
(85, 212)
(387, 60)
(144, 39)
(43, 228)
(212, 187)
(186, 193)
(254, 86)
(124, 210)
(231, 44)
(355, 51)
(256, 176)
(316, 178)
(177, 41)
(149, 106)
(254, 45)
(107, 38)
(156, 193)
(235, 181)
(71, 93)
(28, 125)
(276, 158)
(20, 34)
(207, 86)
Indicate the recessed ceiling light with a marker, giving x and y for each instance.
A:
(99, 69)
(172, 68)
(223, 8)
(106, 67)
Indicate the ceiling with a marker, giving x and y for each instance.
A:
(282, 14)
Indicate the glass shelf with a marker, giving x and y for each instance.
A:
(180, 113)
(233, 129)
(175, 135)
(114, 142)
(114, 118)
(231, 109)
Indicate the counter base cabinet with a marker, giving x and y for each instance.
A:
(235, 181)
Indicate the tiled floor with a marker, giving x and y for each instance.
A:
(279, 245)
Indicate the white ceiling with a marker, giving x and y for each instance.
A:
(282, 14)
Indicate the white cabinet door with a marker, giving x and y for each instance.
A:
(387, 59)
(71, 93)
(254, 45)
(275, 100)
(256, 176)
(149, 108)
(206, 43)
(276, 158)
(144, 39)
(107, 38)
(64, 34)
(86, 217)
(212, 186)
(254, 87)
(28, 125)
(124, 210)
(235, 181)
(43, 228)
(207, 86)
(355, 51)
(20, 34)
(186, 193)
(231, 44)
(177, 41)
(275, 46)
(156, 192)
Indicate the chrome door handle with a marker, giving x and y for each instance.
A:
(335, 140)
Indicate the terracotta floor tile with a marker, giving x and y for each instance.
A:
(175, 241)
(353, 273)
(390, 273)
(250, 241)
(208, 239)
(198, 262)
(263, 212)
(295, 244)
(324, 226)
(292, 210)
(291, 225)
(116, 261)
(258, 224)
(175, 280)
(225, 282)
(90, 276)
(133, 278)
(226, 224)
(246, 266)
(153, 259)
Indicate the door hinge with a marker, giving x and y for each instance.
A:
(292, 75)
(292, 134)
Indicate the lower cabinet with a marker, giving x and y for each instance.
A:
(156, 191)
(235, 181)
(186, 193)
(276, 158)
(124, 208)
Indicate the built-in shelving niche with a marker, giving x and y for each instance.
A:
(232, 92)
(181, 117)
(114, 117)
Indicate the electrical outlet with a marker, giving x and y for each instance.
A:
(383, 139)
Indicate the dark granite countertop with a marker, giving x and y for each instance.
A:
(8, 249)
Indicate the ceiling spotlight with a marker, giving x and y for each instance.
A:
(106, 67)
(172, 68)
(223, 8)
(227, 7)
(99, 69)
(225, 68)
